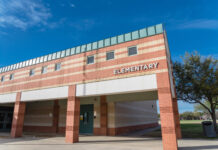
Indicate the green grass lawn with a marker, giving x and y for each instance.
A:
(190, 129)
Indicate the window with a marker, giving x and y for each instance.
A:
(2, 78)
(132, 50)
(110, 55)
(90, 60)
(44, 69)
(11, 76)
(32, 72)
(57, 66)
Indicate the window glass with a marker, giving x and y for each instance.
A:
(37, 60)
(94, 45)
(58, 55)
(68, 52)
(57, 66)
(32, 72)
(90, 59)
(127, 37)
(78, 49)
(44, 69)
(89, 47)
(34, 61)
(30, 62)
(11, 77)
(120, 38)
(135, 35)
(2, 78)
(49, 57)
(54, 56)
(159, 28)
(83, 48)
(113, 40)
(45, 58)
(107, 42)
(41, 59)
(72, 51)
(14, 66)
(101, 44)
(143, 33)
(20, 65)
(151, 31)
(11, 67)
(17, 65)
(110, 55)
(132, 50)
(63, 53)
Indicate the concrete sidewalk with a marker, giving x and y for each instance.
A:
(101, 143)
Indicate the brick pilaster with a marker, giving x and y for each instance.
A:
(177, 119)
(103, 116)
(55, 116)
(73, 112)
(18, 117)
(168, 126)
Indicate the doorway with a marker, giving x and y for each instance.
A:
(6, 116)
(86, 119)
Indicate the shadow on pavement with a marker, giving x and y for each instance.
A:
(199, 147)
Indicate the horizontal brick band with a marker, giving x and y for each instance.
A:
(74, 113)
(72, 128)
(164, 90)
(166, 110)
(168, 130)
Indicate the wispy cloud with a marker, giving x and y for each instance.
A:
(23, 14)
(199, 24)
(84, 24)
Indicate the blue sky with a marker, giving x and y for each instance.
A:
(31, 28)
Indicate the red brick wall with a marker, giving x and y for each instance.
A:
(80, 72)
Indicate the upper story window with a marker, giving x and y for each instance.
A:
(110, 55)
(44, 69)
(11, 76)
(32, 72)
(132, 50)
(57, 66)
(2, 78)
(90, 59)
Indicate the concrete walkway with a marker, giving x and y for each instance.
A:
(100, 143)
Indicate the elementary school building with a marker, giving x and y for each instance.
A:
(108, 87)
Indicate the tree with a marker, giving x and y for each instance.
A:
(196, 80)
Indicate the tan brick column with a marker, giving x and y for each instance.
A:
(103, 115)
(168, 127)
(73, 112)
(18, 117)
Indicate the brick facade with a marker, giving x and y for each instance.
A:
(75, 71)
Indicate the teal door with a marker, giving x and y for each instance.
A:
(86, 119)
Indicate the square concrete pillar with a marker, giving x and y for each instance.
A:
(73, 113)
(103, 116)
(18, 117)
(167, 116)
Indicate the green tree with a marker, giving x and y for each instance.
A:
(196, 79)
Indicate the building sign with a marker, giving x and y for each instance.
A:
(136, 68)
